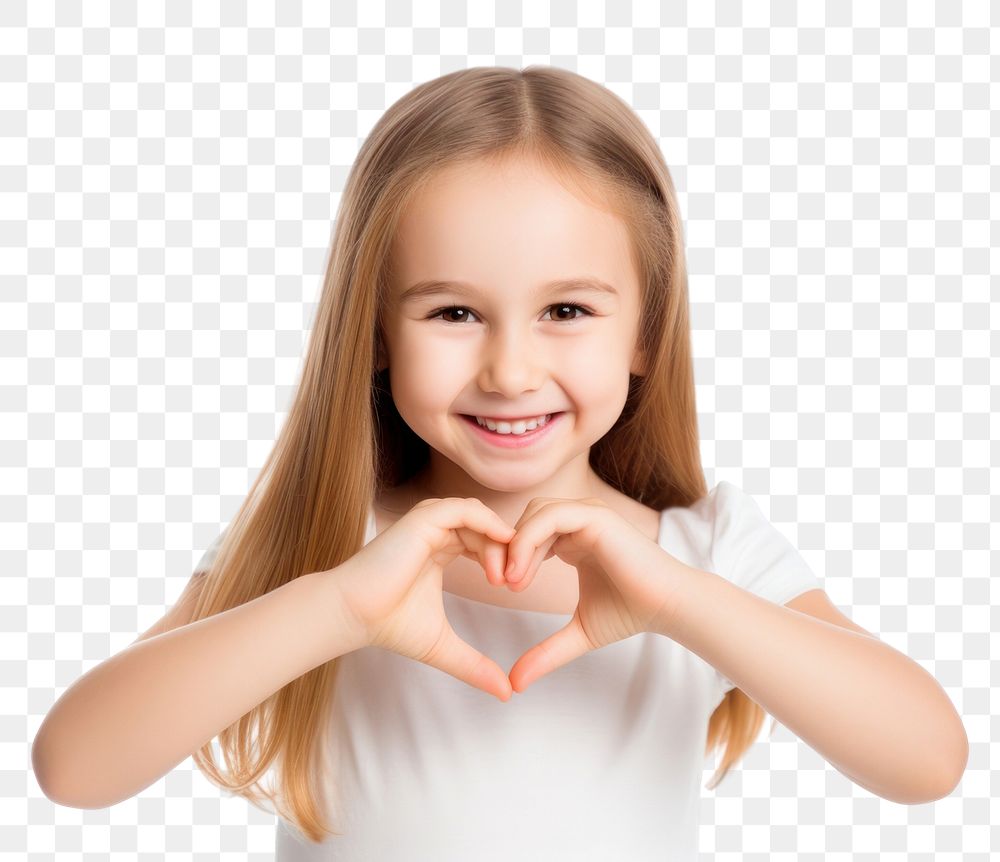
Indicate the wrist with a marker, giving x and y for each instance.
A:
(683, 579)
(347, 630)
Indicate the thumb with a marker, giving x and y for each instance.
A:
(561, 648)
(454, 656)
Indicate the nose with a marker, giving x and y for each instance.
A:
(511, 364)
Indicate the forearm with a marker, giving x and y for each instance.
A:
(135, 716)
(876, 715)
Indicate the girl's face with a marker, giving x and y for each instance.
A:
(507, 344)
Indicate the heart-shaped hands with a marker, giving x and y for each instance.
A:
(392, 588)
(627, 582)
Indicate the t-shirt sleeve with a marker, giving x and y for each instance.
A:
(205, 563)
(752, 553)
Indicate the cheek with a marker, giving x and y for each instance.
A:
(598, 361)
(423, 375)
(425, 360)
(597, 378)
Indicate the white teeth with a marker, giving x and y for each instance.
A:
(519, 427)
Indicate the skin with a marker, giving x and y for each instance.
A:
(506, 231)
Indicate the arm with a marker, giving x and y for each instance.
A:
(876, 715)
(137, 715)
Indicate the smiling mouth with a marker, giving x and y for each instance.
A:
(541, 420)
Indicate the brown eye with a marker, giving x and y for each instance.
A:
(463, 313)
(452, 309)
(570, 308)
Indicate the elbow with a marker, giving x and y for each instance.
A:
(950, 743)
(955, 766)
(48, 782)
(41, 766)
(943, 780)
(52, 783)
(67, 797)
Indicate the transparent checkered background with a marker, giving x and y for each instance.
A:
(169, 179)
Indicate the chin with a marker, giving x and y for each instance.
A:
(515, 479)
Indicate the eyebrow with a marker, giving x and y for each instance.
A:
(434, 287)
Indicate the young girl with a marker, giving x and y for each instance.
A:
(492, 461)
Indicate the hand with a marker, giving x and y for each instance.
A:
(392, 587)
(625, 579)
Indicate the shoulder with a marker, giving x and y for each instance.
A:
(736, 515)
(724, 510)
(746, 548)
(736, 521)
(729, 530)
(716, 512)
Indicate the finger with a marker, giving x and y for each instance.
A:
(459, 526)
(526, 574)
(493, 563)
(453, 513)
(462, 661)
(534, 505)
(566, 645)
(490, 555)
(549, 522)
(535, 521)
(522, 572)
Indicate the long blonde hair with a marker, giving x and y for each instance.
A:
(344, 441)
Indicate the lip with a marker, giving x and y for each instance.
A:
(511, 441)
(523, 418)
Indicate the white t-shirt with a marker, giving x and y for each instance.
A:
(600, 759)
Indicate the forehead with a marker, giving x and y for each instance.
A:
(495, 225)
